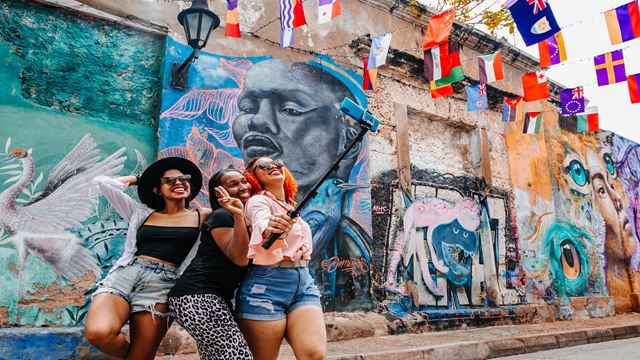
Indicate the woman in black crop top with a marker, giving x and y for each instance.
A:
(162, 231)
(201, 299)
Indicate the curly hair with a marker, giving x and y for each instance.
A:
(290, 185)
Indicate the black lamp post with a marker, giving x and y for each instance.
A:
(198, 22)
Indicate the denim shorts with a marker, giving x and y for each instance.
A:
(142, 283)
(270, 293)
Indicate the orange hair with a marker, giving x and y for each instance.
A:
(290, 185)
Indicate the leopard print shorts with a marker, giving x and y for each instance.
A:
(208, 319)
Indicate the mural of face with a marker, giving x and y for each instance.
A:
(455, 246)
(291, 114)
(620, 244)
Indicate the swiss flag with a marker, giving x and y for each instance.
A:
(535, 86)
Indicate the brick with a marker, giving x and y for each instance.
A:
(599, 335)
(624, 331)
(505, 347)
(572, 338)
(539, 342)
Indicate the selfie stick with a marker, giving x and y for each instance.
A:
(367, 123)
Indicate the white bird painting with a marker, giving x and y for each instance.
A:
(41, 226)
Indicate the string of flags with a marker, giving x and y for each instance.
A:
(534, 20)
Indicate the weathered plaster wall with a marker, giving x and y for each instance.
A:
(66, 80)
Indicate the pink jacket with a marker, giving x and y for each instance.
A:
(296, 246)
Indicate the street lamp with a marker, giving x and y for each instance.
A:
(198, 21)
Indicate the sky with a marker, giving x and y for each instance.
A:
(585, 36)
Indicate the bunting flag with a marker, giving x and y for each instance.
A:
(286, 37)
(534, 19)
(634, 91)
(572, 100)
(582, 123)
(369, 76)
(552, 51)
(436, 63)
(512, 109)
(440, 91)
(291, 17)
(455, 66)
(490, 67)
(476, 97)
(233, 24)
(590, 118)
(532, 123)
(623, 23)
(328, 10)
(535, 86)
(610, 68)
(379, 49)
(438, 29)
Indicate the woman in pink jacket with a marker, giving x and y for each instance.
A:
(278, 297)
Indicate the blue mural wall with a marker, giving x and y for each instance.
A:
(237, 108)
(79, 98)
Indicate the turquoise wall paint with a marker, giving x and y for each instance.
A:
(65, 76)
(82, 65)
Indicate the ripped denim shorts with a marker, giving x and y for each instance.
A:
(142, 283)
(270, 293)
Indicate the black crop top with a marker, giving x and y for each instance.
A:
(210, 271)
(167, 243)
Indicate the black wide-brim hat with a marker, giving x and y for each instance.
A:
(150, 178)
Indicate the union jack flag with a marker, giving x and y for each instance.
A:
(482, 89)
(537, 5)
(577, 92)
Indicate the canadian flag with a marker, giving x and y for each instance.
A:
(535, 86)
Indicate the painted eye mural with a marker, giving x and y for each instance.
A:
(575, 173)
(455, 247)
(569, 261)
(608, 162)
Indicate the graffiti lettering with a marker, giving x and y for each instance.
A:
(380, 209)
(354, 266)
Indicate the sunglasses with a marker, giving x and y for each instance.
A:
(171, 180)
(266, 165)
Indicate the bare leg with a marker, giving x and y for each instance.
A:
(147, 332)
(264, 337)
(306, 333)
(107, 315)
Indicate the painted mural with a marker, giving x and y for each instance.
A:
(574, 210)
(58, 132)
(451, 249)
(239, 108)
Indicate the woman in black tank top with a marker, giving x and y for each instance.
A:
(162, 231)
(201, 299)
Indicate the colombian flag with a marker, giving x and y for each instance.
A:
(623, 23)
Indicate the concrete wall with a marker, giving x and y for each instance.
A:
(487, 218)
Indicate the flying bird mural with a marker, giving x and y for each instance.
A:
(41, 226)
